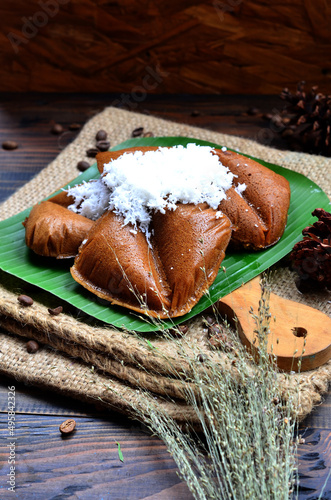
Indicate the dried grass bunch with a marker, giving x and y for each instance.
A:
(245, 447)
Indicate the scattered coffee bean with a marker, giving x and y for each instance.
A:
(103, 145)
(25, 300)
(92, 152)
(148, 134)
(82, 166)
(210, 320)
(219, 337)
(101, 135)
(215, 329)
(56, 311)
(178, 330)
(287, 133)
(9, 145)
(201, 358)
(57, 129)
(137, 132)
(195, 113)
(74, 126)
(68, 426)
(253, 111)
(32, 346)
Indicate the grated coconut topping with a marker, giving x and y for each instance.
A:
(136, 184)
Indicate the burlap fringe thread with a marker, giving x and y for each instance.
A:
(126, 364)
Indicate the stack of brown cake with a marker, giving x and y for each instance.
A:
(166, 276)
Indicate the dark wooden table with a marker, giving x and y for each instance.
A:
(87, 465)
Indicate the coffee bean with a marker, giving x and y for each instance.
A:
(57, 129)
(68, 426)
(32, 346)
(200, 358)
(179, 330)
(82, 166)
(103, 145)
(253, 111)
(195, 113)
(148, 134)
(74, 126)
(25, 300)
(101, 135)
(137, 132)
(9, 145)
(215, 329)
(92, 152)
(56, 311)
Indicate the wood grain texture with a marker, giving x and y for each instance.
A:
(86, 466)
(28, 119)
(315, 464)
(299, 337)
(218, 46)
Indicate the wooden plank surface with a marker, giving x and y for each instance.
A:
(216, 46)
(87, 466)
(28, 120)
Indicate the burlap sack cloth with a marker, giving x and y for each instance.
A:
(96, 362)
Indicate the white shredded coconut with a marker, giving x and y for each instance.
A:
(240, 188)
(135, 184)
(91, 199)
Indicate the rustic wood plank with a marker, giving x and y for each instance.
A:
(86, 464)
(30, 400)
(217, 46)
(315, 465)
(28, 121)
(320, 418)
(95, 469)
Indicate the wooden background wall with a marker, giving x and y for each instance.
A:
(165, 46)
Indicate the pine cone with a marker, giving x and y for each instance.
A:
(305, 122)
(311, 257)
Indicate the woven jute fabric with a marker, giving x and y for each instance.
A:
(97, 362)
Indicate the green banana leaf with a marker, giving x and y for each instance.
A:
(237, 268)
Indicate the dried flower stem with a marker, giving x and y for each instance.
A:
(246, 448)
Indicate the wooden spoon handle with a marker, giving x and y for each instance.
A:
(297, 332)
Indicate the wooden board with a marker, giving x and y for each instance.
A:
(27, 119)
(177, 46)
(87, 464)
(299, 336)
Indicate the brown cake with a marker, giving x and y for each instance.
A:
(164, 279)
(52, 230)
(259, 214)
(165, 273)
